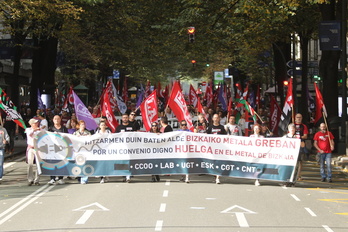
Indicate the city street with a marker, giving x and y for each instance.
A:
(171, 205)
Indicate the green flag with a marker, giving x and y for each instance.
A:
(10, 109)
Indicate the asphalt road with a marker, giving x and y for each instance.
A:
(171, 205)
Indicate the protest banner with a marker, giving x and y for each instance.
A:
(178, 152)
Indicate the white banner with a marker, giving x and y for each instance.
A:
(139, 153)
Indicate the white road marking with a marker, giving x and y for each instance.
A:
(12, 163)
(239, 211)
(27, 201)
(197, 207)
(311, 212)
(163, 207)
(327, 228)
(159, 225)
(165, 193)
(167, 182)
(242, 220)
(295, 197)
(87, 214)
(210, 198)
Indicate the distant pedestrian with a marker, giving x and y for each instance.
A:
(324, 143)
(31, 132)
(4, 139)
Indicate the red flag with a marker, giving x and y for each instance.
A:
(110, 90)
(178, 105)
(258, 97)
(209, 95)
(160, 91)
(125, 91)
(69, 99)
(147, 89)
(319, 105)
(239, 92)
(193, 97)
(107, 111)
(275, 113)
(149, 110)
(246, 91)
(286, 115)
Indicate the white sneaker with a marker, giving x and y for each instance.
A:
(187, 181)
(257, 183)
(51, 182)
(60, 181)
(102, 181)
(217, 181)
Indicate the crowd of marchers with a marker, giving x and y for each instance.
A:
(215, 122)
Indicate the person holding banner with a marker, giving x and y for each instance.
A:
(232, 128)
(324, 143)
(257, 134)
(125, 127)
(217, 129)
(82, 131)
(164, 125)
(31, 132)
(132, 122)
(183, 127)
(57, 128)
(154, 129)
(201, 124)
(103, 129)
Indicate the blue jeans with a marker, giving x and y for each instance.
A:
(1, 162)
(325, 158)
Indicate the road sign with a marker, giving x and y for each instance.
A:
(290, 72)
(290, 63)
(330, 35)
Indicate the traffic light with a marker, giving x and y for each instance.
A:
(285, 83)
(317, 78)
(191, 32)
(193, 62)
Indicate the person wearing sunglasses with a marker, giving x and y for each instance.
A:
(132, 122)
(183, 127)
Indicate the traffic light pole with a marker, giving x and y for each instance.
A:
(343, 143)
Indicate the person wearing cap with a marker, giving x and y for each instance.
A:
(4, 139)
(31, 132)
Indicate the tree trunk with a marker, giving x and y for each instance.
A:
(303, 107)
(328, 66)
(44, 66)
(281, 56)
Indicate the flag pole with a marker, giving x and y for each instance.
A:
(262, 121)
(327, 128)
